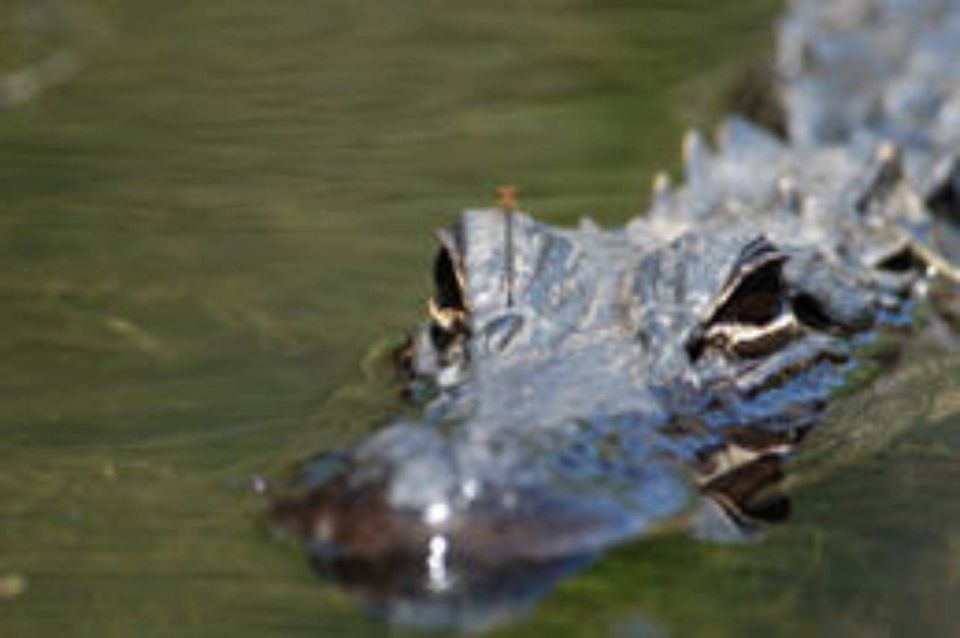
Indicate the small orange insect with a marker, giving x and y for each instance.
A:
(507, 197)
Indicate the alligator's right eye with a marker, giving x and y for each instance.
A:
(755, 300)
(752, 316)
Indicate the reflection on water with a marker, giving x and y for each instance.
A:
(206, 225)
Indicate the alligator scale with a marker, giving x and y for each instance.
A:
(583, 387)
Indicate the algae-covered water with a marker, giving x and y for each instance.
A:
(210, 212)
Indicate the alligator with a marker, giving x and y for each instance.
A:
(579, 388)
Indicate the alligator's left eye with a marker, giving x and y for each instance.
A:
(448, 291)
(447, 308)
(751, 317)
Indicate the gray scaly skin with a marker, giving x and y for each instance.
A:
(585, 386)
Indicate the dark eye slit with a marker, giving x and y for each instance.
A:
(757, 299)
(448, 293)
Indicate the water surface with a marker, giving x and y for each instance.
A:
(218, 208)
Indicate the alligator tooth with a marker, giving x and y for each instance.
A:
(588, 225)
(721, 136)
(788, 195)
(660, 187)
(696, 157)
(888, 154)
(661, 183)
(883, 174)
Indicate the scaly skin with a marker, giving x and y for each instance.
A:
(583, 387)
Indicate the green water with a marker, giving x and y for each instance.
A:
(208, 223)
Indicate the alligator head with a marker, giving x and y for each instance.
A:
(580, 387)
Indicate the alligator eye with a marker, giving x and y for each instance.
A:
(447, 308)
(756, 299)
(449, 293)
(751, 319)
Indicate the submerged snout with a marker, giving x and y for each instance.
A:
(409, 495)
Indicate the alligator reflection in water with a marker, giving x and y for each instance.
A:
(585, 387)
